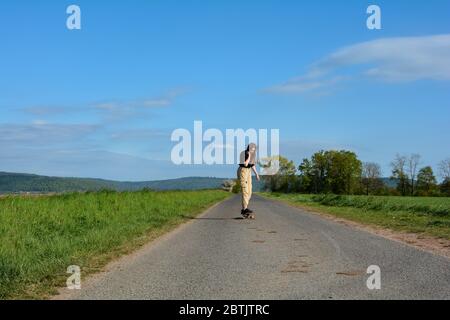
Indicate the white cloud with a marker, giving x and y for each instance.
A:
(134, 104)
(48, 110)
(39, 133)
(39, 122)
(156, 102)
(111, 109)
(304, 84)
(120, 109)
(140, 134)
(401, 59)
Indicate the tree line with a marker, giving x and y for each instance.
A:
(341, 172)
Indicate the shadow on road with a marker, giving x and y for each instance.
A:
(195, 218)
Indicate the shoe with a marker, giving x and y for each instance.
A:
(244, 213)
(248, 214)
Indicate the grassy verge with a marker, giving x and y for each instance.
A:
(425, 215)
(41, 236)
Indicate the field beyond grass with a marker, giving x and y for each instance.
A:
(41, 236)
(427, 215)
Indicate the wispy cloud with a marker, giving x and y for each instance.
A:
(305, 84)
(119, 109)
(110, 109)
(38, 133)
(140, 134)
(84, 150)
(47, 110)
(45, 139)
(401, 59)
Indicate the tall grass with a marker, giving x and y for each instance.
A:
(426, 205)
(41, 236)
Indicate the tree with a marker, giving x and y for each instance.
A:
(285, 179)
(426, 181)
(399, 173)
(444, 172)
(307, 183)
(412, 163)
(313, 172)
(370, 178)
(344, 171)
(444, 169)
(331, 171)
(286, 175)
(445, 187)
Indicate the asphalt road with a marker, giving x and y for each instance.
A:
(284, 254)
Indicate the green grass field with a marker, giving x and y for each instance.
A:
(41, 236)
(425, 215)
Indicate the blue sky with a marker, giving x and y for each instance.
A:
(102, 101)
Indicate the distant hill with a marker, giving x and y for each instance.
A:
(390, 183)
(20, 182)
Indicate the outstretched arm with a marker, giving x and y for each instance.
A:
(256, 172)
